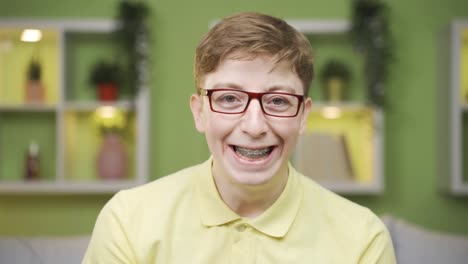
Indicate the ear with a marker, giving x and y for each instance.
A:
(196, 105)
(305, 114)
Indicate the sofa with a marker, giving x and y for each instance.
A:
(413, 245)
(43, 250)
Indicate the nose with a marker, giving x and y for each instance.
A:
(253, 120)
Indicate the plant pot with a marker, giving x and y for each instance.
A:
(335, 90)
(107, 91)
(34, 92)
(112, 158)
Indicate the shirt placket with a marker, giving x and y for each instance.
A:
(244, 248)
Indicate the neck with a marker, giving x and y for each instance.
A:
(251, 200)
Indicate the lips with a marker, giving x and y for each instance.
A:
(253, 153)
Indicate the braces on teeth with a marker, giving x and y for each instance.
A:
(253, 152)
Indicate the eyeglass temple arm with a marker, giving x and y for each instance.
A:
(202, 91)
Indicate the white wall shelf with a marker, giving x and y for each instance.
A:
(374, 185)
(457, 182)
(64, 107)
(363, 136)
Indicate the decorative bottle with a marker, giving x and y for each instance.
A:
(32, 162)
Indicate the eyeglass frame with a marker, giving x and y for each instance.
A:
(251, 95)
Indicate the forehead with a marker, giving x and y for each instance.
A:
(257, 74)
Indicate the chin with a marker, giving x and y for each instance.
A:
(252, 179)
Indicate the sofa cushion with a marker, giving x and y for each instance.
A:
(414, 244)
(55, 250)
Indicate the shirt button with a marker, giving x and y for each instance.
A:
(241, 227)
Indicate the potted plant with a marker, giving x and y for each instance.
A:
(335, 78)
(105, 76)
(34, 89)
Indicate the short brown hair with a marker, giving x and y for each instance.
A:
(252, 35)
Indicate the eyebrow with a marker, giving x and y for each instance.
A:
(281, 89)
(228, 85)
(276, 88)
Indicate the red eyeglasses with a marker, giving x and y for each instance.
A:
(231, 101)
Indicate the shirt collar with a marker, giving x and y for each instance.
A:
(213, 211)
(275, 221)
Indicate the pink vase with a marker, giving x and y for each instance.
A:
(34, 92)
(112, 159)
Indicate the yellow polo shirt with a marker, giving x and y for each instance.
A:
(181, 219)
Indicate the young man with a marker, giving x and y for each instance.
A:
(245, 204)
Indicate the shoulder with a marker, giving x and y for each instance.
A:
(159, 195)
(340, 214)
(343, 224)
(134, 220)
(176, 181)
(332, 202)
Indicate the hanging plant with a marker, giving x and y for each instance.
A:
(133, 35)
(371, 36)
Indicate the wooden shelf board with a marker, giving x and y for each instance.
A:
(27, 108)
(342, 105)
(353, 187)
(464, 107)
(89, 25)
(91, 106)
(460, 189)
(66, 187)
(320, 26)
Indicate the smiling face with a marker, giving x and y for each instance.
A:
(250, 148)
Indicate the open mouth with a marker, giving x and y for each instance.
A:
(253, 154)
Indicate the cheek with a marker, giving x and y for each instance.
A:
(218, 127)
(287, 131)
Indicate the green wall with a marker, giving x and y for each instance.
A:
(414, 140)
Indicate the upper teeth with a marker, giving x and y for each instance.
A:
(253, 153)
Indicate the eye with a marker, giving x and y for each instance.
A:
(228, 101)
(228, 98)
(277, 100)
